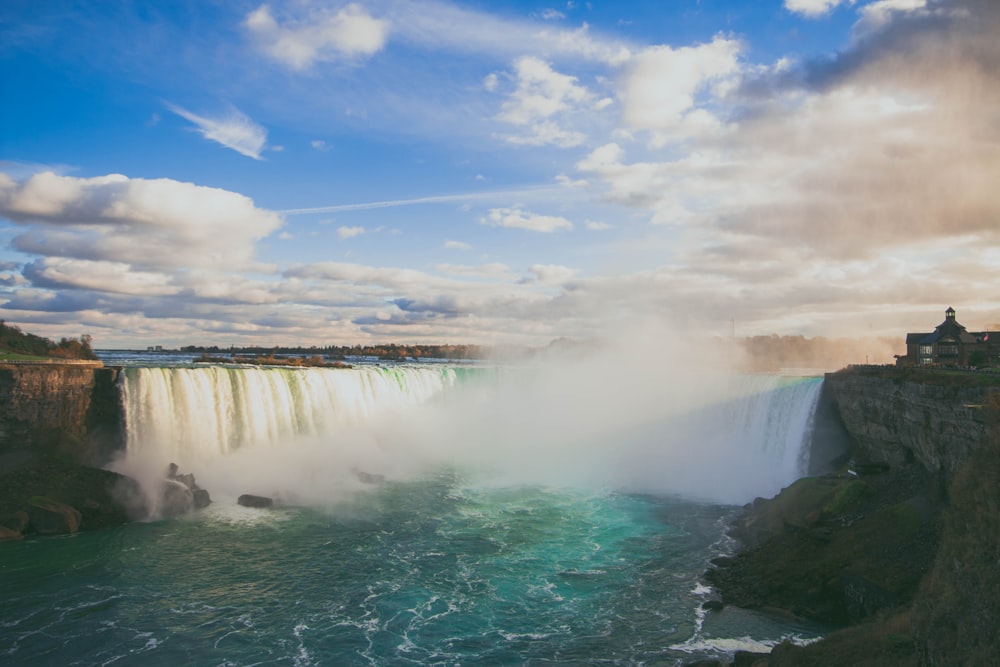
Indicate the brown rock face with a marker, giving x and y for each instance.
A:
(69, 410)
(932, 418)
(8, 535)
(48, 517)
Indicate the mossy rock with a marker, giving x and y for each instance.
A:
(802, 505)
(846, 497)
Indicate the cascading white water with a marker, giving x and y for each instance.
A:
(771, 420)
(721, 438)
(185, 413)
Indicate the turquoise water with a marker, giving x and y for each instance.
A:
(428, 572)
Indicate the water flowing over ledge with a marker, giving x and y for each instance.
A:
(744, 437)
(180, 412)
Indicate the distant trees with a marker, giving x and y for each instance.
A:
(72, 348)
(12, 339)
(390, 352)
(771, 353)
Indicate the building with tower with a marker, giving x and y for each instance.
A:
(950, 344)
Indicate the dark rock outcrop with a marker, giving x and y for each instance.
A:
(176, 499)
(250, 500)
(101, 498)
(180, 494)
(8, 535)
(49, 517)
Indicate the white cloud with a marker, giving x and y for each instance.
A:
(457, 245)
(814, 8)
(542, 95)
(234, 130)
(552, 274)
(154, 223)
(114, 277)
(320, 145)
(493, 270)
(319, 36)
(547, 133)
(669, 90)
(518, 219)
(881, 12)
(597, 226)
(350, 232)
(449, 26)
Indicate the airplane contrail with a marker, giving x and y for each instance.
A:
(436, 199)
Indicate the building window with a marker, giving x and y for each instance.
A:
(947, 350)
(926, 350)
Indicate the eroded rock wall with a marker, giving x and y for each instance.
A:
(898, 417)
(69, 410)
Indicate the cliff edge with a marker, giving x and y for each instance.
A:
(898, 547)
(59, 422)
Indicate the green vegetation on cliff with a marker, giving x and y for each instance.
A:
(17, 345)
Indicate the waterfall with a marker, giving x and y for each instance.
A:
(772, 421)
(721, 438)
(751, 441)
(185, 413)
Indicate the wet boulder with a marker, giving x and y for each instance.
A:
(49, 517)
(250, 500)
(175, 498)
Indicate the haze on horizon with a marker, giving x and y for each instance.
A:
(427, 171)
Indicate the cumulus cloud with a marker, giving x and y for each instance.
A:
(157, 223)
(319, 36)
(518, 219)
(233, 130)
(114, 277)
(541, 95)
(814, 8)
(668, 90)
(880, 13)
(457, 245)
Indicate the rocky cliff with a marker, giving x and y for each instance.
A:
(68, 410)
(898, 416)
(901, 545)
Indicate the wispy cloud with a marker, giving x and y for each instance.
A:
(233, 130)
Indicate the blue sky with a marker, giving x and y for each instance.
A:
(310, 172)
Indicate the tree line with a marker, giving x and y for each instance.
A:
(12, 339)
(390, 351)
